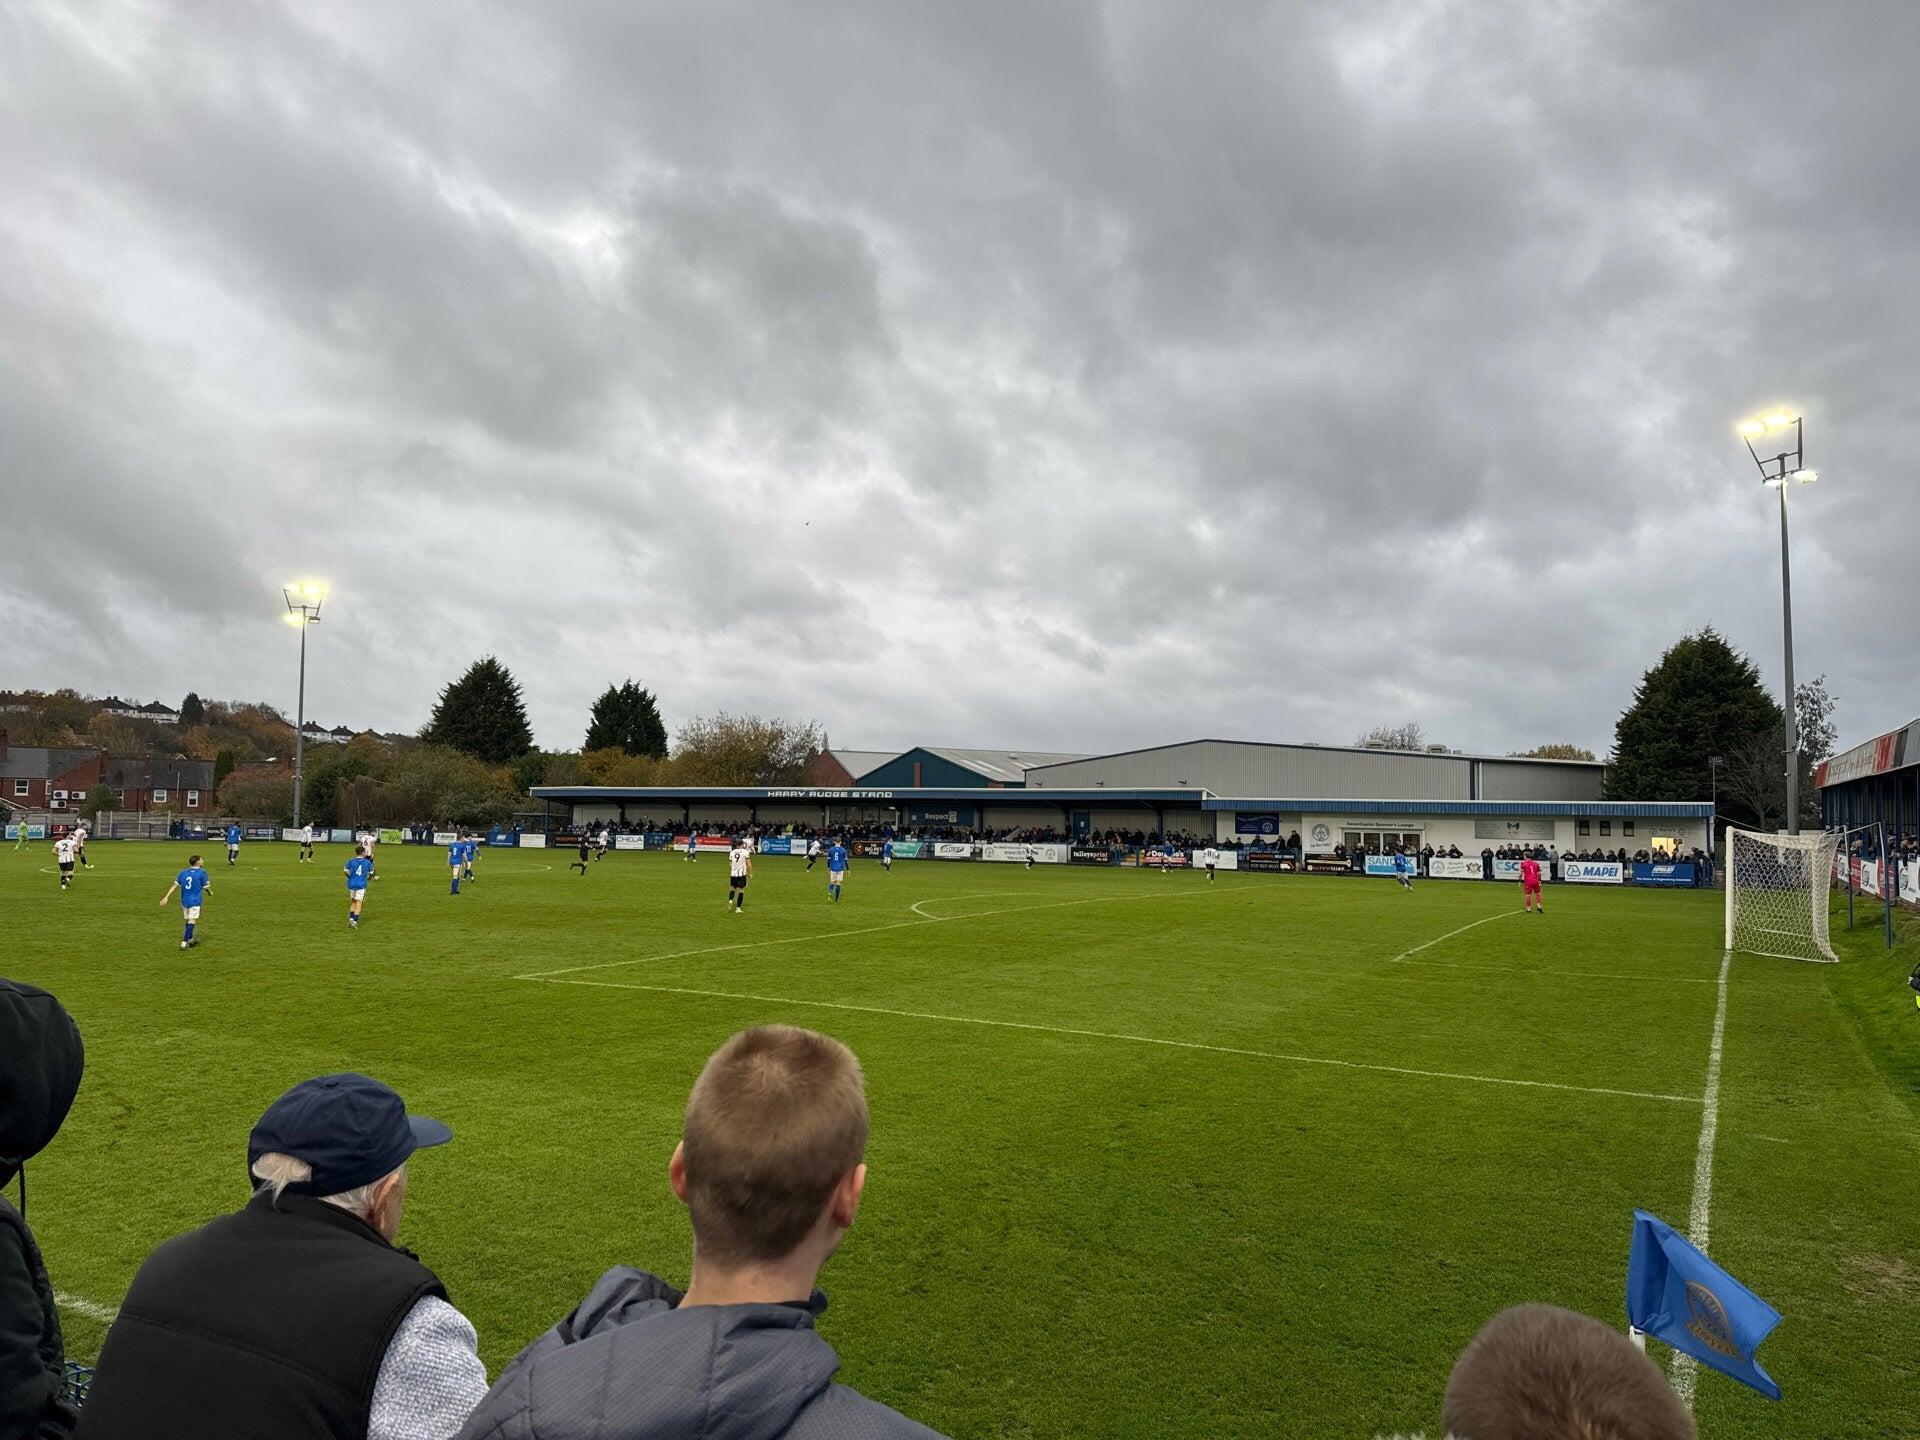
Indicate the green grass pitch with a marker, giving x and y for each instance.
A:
(1150, 1157)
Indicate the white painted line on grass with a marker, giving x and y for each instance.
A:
(1405, 955)
(1134, 1039)
(1700, 1215)
(1565, 974)
(91, 1309)
(843, 934)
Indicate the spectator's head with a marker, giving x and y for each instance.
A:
(769, 1166)
(1537, 1372)
(342, 1139)
(40, 1063)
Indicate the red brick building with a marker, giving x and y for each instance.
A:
(48, 777)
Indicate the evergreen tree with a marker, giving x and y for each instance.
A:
(628, 717)
(192, 711)
(481, 714)
(223, 765)
(1703, 699)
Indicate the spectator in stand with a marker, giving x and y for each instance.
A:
(1486, 862)
(1426, 859)
(769, 1168)
(1537, 1372)
(41, 1059)
(297, 1316)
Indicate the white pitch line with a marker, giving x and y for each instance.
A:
(80, 1305)
(1405, 955)
(1137, 1040)
(843, 934)
(1565, 974)
(1700, 1215)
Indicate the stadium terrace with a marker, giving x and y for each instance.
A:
(1233, 793)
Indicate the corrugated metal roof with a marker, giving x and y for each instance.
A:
(1002, 765)
(1442, 754)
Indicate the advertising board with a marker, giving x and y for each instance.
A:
(1256, 824)
(1093, 855)
(1661, 873)
(1160, 859)
(1455, 867)
(1910, 881)
(533, 841)
(1223, 859)
(910, 849)
(629, 842)
(952, 850)
(444, 837)
(1267, 862)
(1383, 865)
(1593, 872)
(1506, 869)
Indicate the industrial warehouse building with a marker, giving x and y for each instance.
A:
(1217, 789)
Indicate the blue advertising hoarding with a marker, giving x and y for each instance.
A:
(1255, 824)
(1383, 865)
(1662, 874)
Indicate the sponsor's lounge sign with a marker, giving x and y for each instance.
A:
(1593, 872)
(1450, 867)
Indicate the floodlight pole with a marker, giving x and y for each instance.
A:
(302, 612)
(1778, 473)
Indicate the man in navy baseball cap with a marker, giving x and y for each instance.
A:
(297, 1316)
(348, 1130)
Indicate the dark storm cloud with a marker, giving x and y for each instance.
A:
(1061, 375)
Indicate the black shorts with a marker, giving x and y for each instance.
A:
(736, 882)
(66, 867)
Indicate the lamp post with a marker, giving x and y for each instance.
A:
(1776, 470)
(303, 609)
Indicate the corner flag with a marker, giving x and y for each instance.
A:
(1676, 1293)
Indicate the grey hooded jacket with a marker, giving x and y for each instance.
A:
(628, 1365)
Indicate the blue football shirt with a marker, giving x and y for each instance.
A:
(886, 850)
(233, 835)
(358, 869)
(455, 852)
(193, 884)
(836, 857)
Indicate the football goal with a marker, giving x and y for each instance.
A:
(1777, 893)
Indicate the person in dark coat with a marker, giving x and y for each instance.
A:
(41, 1059)
(771, 1174)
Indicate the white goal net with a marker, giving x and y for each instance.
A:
(1777, 894)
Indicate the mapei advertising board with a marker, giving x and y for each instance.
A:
(1593, 872)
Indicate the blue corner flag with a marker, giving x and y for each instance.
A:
(1676, 1293)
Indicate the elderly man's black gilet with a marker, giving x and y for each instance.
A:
(272, 1322)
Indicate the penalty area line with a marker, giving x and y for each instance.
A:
(1406, 955)
(91, 1309)
(1135, 1040)
(828, 935)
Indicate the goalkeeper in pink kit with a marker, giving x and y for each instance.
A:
(1530, 884)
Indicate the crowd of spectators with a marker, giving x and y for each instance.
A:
(299, 1316)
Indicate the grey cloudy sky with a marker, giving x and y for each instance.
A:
(1046, 374)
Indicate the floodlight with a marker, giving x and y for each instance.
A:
(294, 617)
(1779, 420)
(1752, 429)
(1806, 477)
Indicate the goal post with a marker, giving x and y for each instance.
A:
(1777, 894)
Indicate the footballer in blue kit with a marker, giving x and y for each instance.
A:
(1401, 868)
(886, 857)
(836, 869)
(233, 844)
(359, 871)
(468, 849)
(193, 884)
(456, 853)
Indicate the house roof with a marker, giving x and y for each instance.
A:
(858, 762)
(1002, 765)
(42, 762)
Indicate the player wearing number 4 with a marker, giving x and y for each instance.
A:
(1530, 885)
(193, 884)
(359, 871)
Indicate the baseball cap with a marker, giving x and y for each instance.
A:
(349, 1128)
